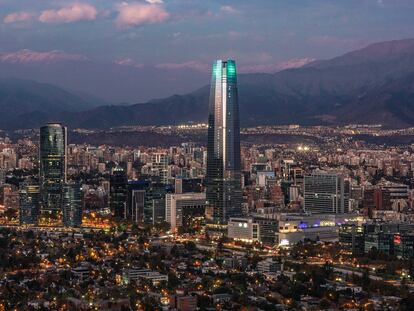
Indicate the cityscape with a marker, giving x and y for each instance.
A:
(287, 187)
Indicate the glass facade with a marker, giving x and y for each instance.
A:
(326, 193)
(118, 192)
(223, 179)
(29, 196)
(53, 143)
(72, 205)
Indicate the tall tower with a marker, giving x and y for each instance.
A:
(118, 192)
(223, 179)
(53, 145)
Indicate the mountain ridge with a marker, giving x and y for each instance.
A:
(371, 85)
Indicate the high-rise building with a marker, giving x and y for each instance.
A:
(3, 173)
(146, 201)
(223, 179)
(53, 145)
(72, 205)
(136, 200)
(160, 163)
(182, 209)
(326, 193)
(118, 192)
(29, 195)
(185, 185)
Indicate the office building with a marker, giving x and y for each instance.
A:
(160, 162)
(181, 210)
(185, 185)
(243, 229)
(52, 155)
(136, 200)
(146, 201)
(29, 196)
(72, 205)
(326, 193)
(223, 178)
(352, 237)
(294, 228)
(3, 173)
(118, 192)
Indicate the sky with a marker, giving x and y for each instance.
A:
(261, 35)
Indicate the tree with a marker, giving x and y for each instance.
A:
(324, 304)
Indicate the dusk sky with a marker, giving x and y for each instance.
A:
(180, 33)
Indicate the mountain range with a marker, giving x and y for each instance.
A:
(371, 85)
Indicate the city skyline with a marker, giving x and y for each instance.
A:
(129, 181)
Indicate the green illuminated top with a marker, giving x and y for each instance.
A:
(219, 65)
(231, 68)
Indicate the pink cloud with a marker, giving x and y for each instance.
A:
(29, 56)
(128, 62)
(134, 14)
(186, 65)
(73, 13)
(18, 17)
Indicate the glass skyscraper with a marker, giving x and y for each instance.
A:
(72, 205)
(29, 196)
(118, 192)
(223, 179)
(53, 145)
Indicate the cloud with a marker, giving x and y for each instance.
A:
(134, 14)
(29, 56)
(128, 62)
(73, 13)
(155, 1)
(195, 65)
(229, 9)
(18, 17)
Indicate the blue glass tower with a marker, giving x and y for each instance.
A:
(53, 143)
(223, 179)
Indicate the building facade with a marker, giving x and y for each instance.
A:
(326, 193)
(72, 205)
(223, 178)
(29, 195)
(182, 209)
(118, 192)
(53, 168)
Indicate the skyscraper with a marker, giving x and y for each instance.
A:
(118, 192)
(223, 177)
(326, 193)
(72, 205)
(53, 144)
(29, 196)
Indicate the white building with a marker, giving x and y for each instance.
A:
(243, 229)
(182, 208)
